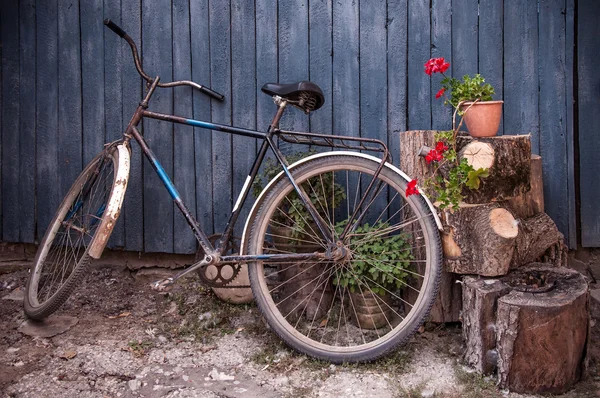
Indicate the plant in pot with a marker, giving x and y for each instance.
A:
(292, 231)
(471, 97)
(371, 282)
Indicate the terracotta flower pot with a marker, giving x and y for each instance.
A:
(371, 311)
(483, 118)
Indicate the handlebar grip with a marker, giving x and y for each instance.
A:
(212, 93)
(114, 27)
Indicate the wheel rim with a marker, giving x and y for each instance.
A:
(67, 240)
(338, 326)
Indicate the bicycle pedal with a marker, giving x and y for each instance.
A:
(162, 285)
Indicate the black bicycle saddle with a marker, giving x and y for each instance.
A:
(293, 92)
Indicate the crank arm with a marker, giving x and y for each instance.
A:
(165, 284)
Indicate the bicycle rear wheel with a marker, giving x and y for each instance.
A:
(63, 254)
(379, 290)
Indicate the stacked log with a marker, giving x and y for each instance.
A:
(491, 242)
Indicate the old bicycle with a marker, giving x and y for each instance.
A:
(342, 263)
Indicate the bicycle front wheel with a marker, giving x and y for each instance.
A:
(385, 276)
(64, 252)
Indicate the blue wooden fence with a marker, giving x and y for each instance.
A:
(69, 85)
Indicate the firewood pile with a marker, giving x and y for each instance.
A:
(524, 315)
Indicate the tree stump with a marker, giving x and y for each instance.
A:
(537, 234)
(479, 321)
(507, 157)
(542, 329)
(480, 239)
(530, 203)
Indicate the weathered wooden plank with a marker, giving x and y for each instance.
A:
(92, 76)
(293, 54)
(553, 110)
(441, 46)
(243, 96)
(346, 105)
(220, 71)
(183, 136)
(521, 71)
(321, 61)
(113, 96)
(397, 40)
(569, 91)
(69, 96)
(266, 60)
(133, 209)
(419, 44)
(26, 131)
(202, 137)
(588, 32)
(490, 46)
(9, 13)
(158, 60)
(47, 199)
(464, 37)
(373, 94)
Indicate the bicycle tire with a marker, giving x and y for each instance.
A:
(64, 253)
(275, 284)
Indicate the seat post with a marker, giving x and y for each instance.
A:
(281, 103)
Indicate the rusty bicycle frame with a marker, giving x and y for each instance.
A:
(214, 254)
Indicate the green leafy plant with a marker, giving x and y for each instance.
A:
(323, 191)
(378, 261)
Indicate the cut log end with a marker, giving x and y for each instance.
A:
(503, 223)
(478, 154)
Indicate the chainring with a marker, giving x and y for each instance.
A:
(219, 275)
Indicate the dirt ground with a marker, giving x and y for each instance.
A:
(130, 341)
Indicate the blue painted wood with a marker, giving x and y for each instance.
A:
(441, 46)
(553, 109)
(243, 97)
(132, 213)
(293, 54)
(47, 198)
(397, 63)
(113, 96)
(92, 76)
(244, 48)
(202, 138)
(183, 136)
(346, 95)
(266, 60)
(321, 61)
(26, 131)
(464, 37)
(569, 92)
(521, 71)
(490, 46)
(373, 69)
(419, 85)
(588, 45)
(220, 71)
(158, 60)
(69, 96)
(10, 121)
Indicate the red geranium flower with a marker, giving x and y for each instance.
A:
(441, 147)
(411, 188)
(440, 93)
(433, 155)
(436, 65)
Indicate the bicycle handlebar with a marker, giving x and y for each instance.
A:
(136, 59)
